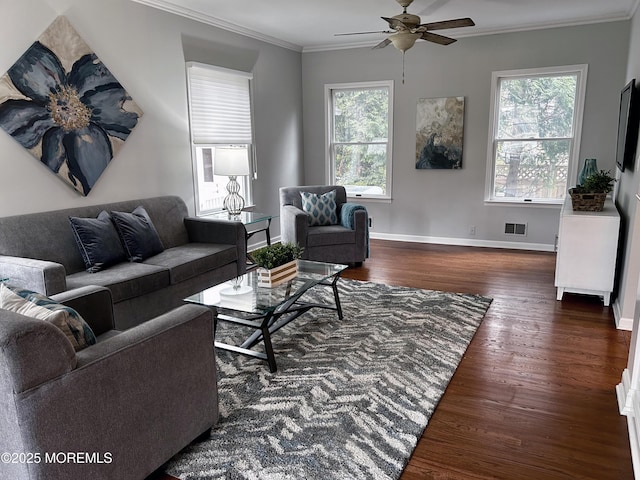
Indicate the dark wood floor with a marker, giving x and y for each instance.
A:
(534, 396)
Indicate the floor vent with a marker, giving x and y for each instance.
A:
(515, 229)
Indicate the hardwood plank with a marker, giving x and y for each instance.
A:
(534, 396)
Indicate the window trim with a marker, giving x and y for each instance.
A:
(329, 167)
(245, 181)
(574, 156)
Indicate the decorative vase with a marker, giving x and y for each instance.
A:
(590, 168)
(278, 275)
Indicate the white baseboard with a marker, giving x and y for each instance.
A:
(466, 242)
(628, 405)
(622, 323)
(625, 405)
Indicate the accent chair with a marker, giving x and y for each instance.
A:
(327, 232)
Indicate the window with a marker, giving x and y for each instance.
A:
(220, 116)
(359, 137)
(534, 136)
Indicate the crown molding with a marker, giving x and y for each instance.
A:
(477, 32)
(170, 7)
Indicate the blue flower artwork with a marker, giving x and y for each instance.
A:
(62, 104)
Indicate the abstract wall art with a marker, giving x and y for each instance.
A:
(63, 105)
(439, 133)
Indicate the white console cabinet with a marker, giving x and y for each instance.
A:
(587, 249)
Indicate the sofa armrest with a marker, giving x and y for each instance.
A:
(141, 395)
(294, 225)
(31, 352)
(360, 220)
(40, 276)
(93, 303)
(210, 230)
(156, 330)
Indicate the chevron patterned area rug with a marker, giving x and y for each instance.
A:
(350, 398)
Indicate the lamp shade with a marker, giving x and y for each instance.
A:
(231, 161)
(403, 41)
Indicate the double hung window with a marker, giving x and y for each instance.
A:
(360, 125)
(220, 116)
(534, 138)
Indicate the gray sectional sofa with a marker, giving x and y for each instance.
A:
(39, 252)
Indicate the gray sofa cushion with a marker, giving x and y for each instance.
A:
(330, 235)
(190, 260)
(125, 280)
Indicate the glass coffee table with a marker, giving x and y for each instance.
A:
(266, 310)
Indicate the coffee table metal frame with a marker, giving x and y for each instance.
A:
(269, 309)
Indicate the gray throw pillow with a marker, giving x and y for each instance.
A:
(138, 234)
(98, 241)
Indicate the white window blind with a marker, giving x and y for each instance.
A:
(220, 105)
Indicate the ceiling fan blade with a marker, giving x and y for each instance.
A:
(360, 33)
(396, 24)
(435, 38)
(457, 23)
(382, 44)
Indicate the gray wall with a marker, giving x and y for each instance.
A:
(628, 186)
(444, 204)
(144, 49)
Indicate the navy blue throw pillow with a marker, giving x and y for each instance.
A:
(98, 241)
(138, 234)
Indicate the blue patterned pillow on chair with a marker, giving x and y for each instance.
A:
(36, 305)
(322, 209)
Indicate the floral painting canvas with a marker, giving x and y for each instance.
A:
(62, 104)
(439, 133)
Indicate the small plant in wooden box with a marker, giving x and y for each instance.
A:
(590, 196)
(278, 263)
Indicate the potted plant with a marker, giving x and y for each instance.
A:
(277, 263)
(590, 196)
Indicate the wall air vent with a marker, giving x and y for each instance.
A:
(515, 229)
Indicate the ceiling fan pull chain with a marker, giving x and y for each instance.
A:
(403, 68)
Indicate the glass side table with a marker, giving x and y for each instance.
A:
(250, 220)
(254, 222)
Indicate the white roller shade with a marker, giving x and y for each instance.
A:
(220, 105)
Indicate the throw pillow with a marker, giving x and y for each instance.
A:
(35, 305)
(98, 241)
(322, 209)
(138, 234)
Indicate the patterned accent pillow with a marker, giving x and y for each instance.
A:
(322, 209)
(35, 305)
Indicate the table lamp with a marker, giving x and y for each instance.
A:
(232, 162)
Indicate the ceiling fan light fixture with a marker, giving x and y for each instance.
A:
(403, 41)
(404, 3)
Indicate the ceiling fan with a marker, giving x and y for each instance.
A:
(406, 29)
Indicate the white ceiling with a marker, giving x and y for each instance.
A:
(309, 25)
